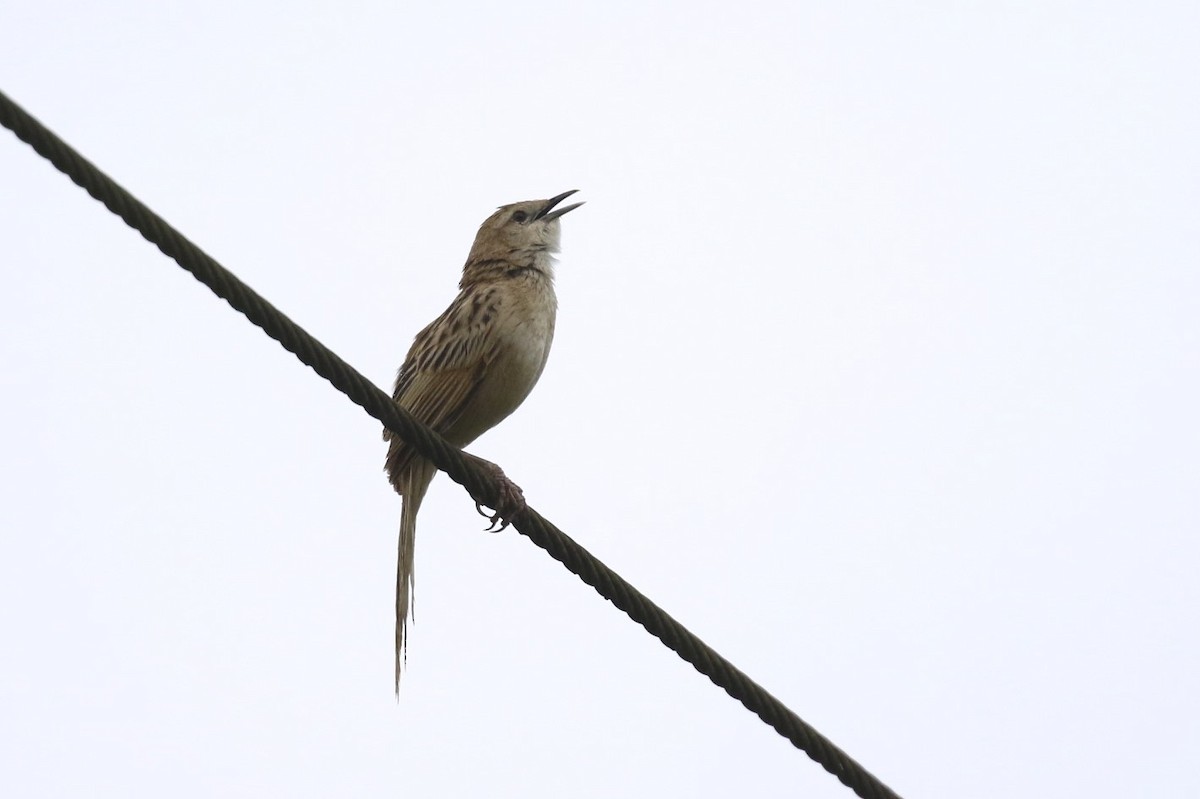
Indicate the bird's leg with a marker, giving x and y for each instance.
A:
(509, 502)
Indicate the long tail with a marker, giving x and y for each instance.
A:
(414, 484)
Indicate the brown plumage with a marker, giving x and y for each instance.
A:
(474, 364)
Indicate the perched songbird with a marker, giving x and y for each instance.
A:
(477, 362)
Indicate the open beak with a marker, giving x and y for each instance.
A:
(548, 215)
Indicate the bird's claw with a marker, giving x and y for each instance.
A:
(494, 518)
(509, 502)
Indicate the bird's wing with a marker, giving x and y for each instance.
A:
(445, 366)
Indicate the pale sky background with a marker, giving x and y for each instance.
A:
(877, 366)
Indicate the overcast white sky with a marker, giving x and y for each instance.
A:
(876, 366)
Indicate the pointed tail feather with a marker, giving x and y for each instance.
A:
(413, 485)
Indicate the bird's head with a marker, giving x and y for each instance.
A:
(521, 233)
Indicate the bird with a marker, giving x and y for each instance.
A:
(475, 364)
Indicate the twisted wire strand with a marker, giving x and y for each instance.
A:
(448, 458)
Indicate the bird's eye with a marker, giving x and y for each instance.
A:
(520, 216)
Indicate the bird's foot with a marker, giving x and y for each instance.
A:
(509, 502)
